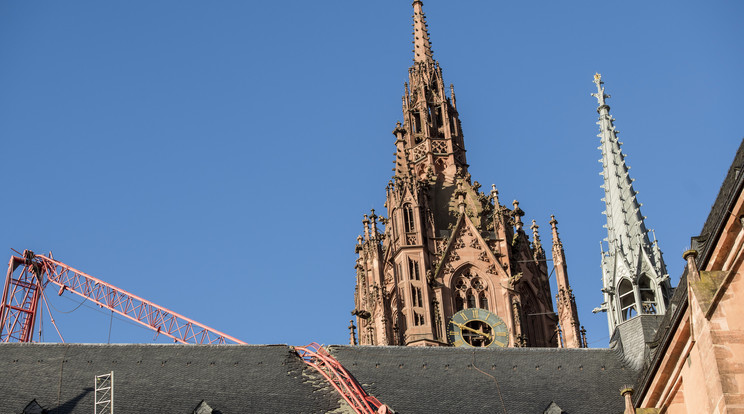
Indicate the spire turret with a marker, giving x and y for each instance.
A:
(634, 276)
(422, 45)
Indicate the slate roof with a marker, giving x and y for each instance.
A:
(272, 379)
(457, 380)
(231, 379)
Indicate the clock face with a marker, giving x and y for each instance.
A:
(476, 327)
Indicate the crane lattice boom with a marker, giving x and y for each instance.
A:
(30, 274)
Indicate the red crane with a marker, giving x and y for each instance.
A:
(29, 275)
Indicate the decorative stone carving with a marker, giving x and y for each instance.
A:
(483, 257)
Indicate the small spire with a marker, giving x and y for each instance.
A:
(495, 195)
(568, 315)
(373, 217)
(554, 227)
(422, 46)
(452, 94)
(583, 337)
(537, 245)
(352, 333)
(460, 193)
(517, 213)
(366, 227)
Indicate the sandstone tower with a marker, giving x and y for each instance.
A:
(447, 246)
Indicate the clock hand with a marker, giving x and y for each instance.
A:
(489, 337)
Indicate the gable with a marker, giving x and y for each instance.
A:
(466, 247)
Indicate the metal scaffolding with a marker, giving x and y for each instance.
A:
(104, 394)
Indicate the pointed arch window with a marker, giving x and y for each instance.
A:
(417, 297)
(416, 122)
(648, 295)
(483, 300)
(459, 302)
(408, 221)
(471, 300)
(413, 269)
(628, 307)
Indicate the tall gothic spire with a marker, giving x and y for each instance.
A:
(446, 247)
(422, 46)
(634, 275)
(429, 143)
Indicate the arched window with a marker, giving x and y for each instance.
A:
(627, 300)
(413, 269)
(471, 300)
(459, 303)
(648, 295)
(408, 218)
(483, 300)
(416, 122)
(417, 299)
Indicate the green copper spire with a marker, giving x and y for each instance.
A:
(634, 275)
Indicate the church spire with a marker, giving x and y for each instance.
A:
(422, 45)
(634, 275)
(429, 142)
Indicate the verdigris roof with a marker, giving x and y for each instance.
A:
(457, 380)
(234, 379)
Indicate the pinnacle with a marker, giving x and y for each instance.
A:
(422, 44)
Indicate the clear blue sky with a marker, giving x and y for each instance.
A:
(217, 157)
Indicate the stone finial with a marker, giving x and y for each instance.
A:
(365, 222)
(373, 218)
(554, 228)
(627, 393)
(535, 234)
(399, 131)
(692, 268)
(352, 333)
(495, 195)
(517, 213)
(583, 337)
(536, 243)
